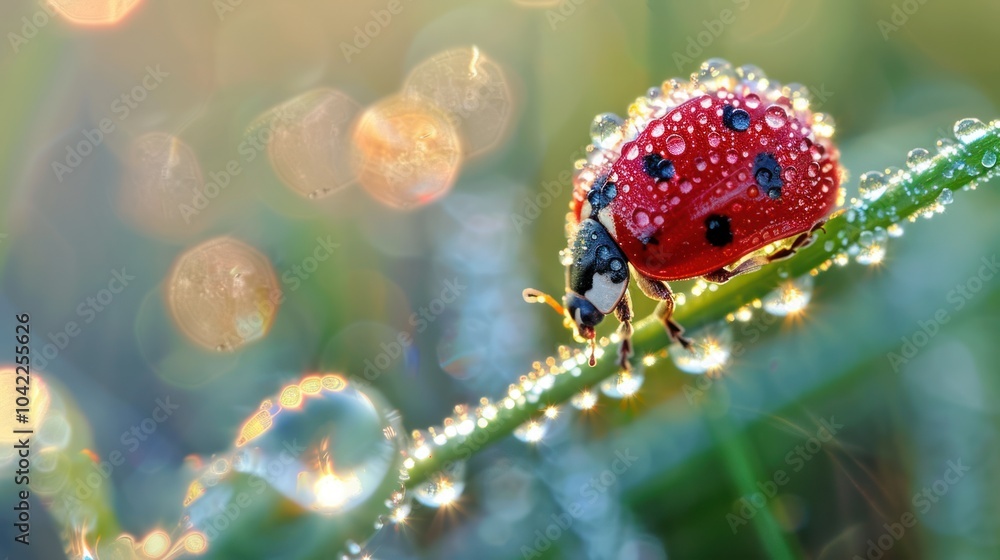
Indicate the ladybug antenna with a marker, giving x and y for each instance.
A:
(532, 295)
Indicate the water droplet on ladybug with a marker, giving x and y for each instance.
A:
(731, 156)
(813, 169)
(676, 144)
(633, 152)
(775, 116)
(700, 164)
(641, 218)
(606, 130)
(686, 186)
(789, 174)
(657, 130)
(714, 139)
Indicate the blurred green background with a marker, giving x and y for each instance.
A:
(894, 75)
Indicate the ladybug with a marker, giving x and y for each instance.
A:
(701, 178)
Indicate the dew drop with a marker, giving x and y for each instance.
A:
(444, 487)
(989, 159)
(752, 100)
(350, 446)
(676, 144)
(789, 298)
(732, 157)
(870, 255)
(872, 185)
(700, 164)
(606, 130)
(584, 400)
(686, 186)
(895, 230)
(532, 431)
(918, 159)
(641, 218)
(624, 384)
(775, 116)
(969, 130)
(945, 197)
(710, 350)
(657, 130)
(714, 139)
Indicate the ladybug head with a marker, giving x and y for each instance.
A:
(597, 278)
(583, 314)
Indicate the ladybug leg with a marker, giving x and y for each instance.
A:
(722, 275)
(660, 291)
(802, 241)
(623, 311)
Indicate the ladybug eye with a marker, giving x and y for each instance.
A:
(735, 119)
(657, 167)
(600, 197)
(767, 173)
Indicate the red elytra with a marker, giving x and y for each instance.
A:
(663, 226)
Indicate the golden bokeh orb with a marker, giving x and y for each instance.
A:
(472, 89)
(94, 12)
(160, 185)
(223, 294)
(406, 151)
(310, 144)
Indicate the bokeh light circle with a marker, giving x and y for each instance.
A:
(310, 147)
(223, 294)
(162, 179)
(406, 151)
(472, 89)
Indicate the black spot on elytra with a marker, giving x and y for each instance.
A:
(601, 196)
(657, 167)
(735, 119)
(717, 230)
(767, 173)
